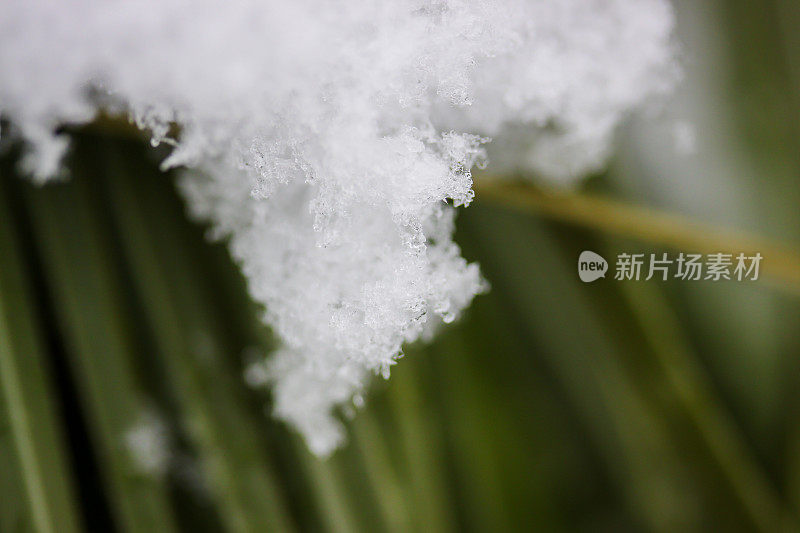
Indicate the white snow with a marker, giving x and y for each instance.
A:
(329, 141)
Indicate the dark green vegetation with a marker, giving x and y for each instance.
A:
(552, 405)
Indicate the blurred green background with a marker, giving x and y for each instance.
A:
(552, 405)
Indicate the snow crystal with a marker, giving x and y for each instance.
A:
(684, 137)
(330, 141)
(148, 442)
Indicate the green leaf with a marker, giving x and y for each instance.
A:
(35, 448)
(187, 339)
(92, 320)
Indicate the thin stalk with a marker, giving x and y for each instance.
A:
(241, 476)
(619, 412)
(781, 263)
(477, 425)
(383, 478)
(330, 493)
(93, 323)
(29, 398)
(788, 18)
(690, 387)
(422, 450)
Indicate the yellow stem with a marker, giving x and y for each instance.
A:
(780, 262)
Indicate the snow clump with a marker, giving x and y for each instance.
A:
(330, 141)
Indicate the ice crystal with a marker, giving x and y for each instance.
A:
(148, 442)
(330, 141)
